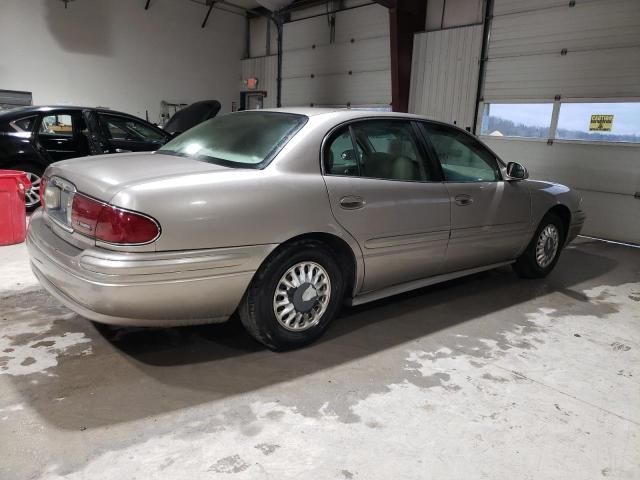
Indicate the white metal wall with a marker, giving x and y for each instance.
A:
(355, 69)
(541, 50)
(265, 69)
(444, 74)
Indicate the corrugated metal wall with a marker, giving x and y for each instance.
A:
(354, 69)
(600, 40)
(265, 69)
(444, 74)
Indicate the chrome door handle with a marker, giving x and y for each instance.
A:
(121, 150)
(351, 202)
(463, 200)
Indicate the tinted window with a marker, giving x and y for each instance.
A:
(239, 139)
(463, 159)
(389, 151)
(340, 157)
(124, 128)
(59, 124)
(23, 124)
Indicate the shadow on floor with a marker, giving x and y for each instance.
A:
(135, 373)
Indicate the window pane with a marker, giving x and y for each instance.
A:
(529, 120)
(57, 124)
(575, 122)
(245, 138)
(389, 151)
(123, 128)
(340, 158)
(23, 124)
(463, 159)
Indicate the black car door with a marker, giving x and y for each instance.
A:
(124, 133)
(59, 133)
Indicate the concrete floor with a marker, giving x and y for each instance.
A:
(486, 377)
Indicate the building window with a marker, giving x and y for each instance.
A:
(600, 122)
(525, 120)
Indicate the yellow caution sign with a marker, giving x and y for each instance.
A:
(601, 123)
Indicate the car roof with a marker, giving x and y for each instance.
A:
(342, 113)
(33, 109)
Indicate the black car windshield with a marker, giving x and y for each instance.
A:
(246, 139)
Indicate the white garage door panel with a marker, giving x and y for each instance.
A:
(542, 31)
(305, 33)
(595, 74)
(444, 74)
(371, 88)
(368, 58)
(606, 176)
(365, 22)
(360, 56)
(502, 7)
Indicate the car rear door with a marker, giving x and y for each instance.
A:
(490, 217)
(387, 193)
(124, 133)
(59, 132)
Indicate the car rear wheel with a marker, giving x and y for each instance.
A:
(32, 197)
(294, 296)
(543, 251)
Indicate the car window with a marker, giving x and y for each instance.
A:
(58, 124)
(245, 139)
(340, 157)
(463, 158)
(23, 124)
(389, 151)
(125, 128)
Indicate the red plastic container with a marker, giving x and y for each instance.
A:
(13, 214)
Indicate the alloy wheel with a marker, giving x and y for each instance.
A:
(302, 296)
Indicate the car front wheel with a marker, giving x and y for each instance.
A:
(294, 296)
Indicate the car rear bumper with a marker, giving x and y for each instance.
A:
(577, 221)
(142, 289)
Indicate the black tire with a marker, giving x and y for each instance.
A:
(526, 265)
(256, 308)
(33, 170)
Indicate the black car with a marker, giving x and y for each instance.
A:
(31, 138)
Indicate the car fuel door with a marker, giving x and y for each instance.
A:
(385, 194)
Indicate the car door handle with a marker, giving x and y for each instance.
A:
(463, 200)
(121, 150)
(351, 202)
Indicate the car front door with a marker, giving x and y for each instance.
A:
(388, 194)
(490, 217)
(127, 134)
(59, 132)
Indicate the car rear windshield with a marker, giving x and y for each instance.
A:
(245, 140)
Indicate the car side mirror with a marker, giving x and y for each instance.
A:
(515, 171)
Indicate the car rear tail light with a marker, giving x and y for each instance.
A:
(110, 224)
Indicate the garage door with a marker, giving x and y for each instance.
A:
(347, 65)
(561, 94)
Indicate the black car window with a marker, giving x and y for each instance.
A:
(58, 124)
(390, 151)
(22, 125)
(462, 157)
(125, 128)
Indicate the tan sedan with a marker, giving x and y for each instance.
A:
(285, 215)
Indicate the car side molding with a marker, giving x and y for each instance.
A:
(424, 282)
